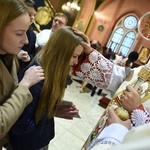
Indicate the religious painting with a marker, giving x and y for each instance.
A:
(45, 13)
(144, 54)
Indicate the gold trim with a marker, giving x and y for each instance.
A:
(43, 16)
(144, 54)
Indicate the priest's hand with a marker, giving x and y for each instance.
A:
(130, 99)
(86, 44)
(113, 118)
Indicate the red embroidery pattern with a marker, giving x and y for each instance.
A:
(140, 116)
(96, 70)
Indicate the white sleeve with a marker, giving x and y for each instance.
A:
(101, 72)
(43, 37)
(37, 35)
(110, 135)
(119, 74)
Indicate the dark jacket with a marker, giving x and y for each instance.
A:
(26, 134)
(30, 48)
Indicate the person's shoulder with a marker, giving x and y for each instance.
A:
(30, 32)
(45, 31)
(33, 63)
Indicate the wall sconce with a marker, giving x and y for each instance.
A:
(100, 28)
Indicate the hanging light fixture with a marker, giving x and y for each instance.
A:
(74, 4)
(71, 9)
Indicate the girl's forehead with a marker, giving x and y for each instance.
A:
(21, 23)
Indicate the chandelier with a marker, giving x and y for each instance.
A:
(74, 4)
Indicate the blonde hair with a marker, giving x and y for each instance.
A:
(55, 58)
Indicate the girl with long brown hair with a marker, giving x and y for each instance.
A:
(35, 127)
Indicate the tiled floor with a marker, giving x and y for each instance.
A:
(71, 134)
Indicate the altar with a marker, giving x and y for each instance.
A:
(140, 79)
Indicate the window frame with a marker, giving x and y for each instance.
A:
(120, 24)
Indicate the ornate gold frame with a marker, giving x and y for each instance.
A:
(144, 54)
(45, 13)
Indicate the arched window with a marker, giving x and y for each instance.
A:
(116, 39)
(124, 35)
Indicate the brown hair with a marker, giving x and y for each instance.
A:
(31, 3)
(54, 58)
(10, 10)
(62, 15)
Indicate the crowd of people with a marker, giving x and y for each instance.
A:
(32, 94)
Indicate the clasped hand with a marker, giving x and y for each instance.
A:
(130, 99)
(66, 110)
(113, 118)
(23, 55)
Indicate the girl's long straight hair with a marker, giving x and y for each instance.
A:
(55, 58)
